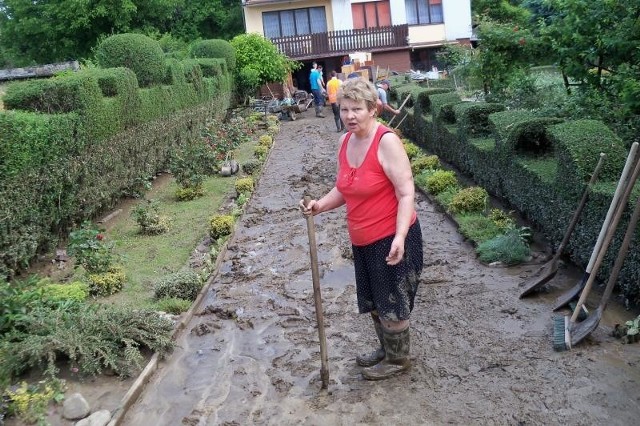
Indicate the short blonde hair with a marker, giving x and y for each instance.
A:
(359, 89)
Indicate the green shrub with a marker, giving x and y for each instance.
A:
(30, 401)
(190, 193)
(411, 149)
(16, 300)
(147, 217)
(221, 226)
(215, 48)
(469, 200)
(506, 248)
(86, 336)
(137, 52)
(251, 166)
(108, 282)
(502, 219)
(173, 305)
(266, 140)
(184, 284)
(260, 152)
(440, 180)
(477, 227)
(446, 196)
(429, 162)
(76, 291)
(192, 161)
(244, 185)
(90, 248)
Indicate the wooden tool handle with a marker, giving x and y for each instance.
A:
(317, 297)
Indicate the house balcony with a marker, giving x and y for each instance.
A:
(338, 43)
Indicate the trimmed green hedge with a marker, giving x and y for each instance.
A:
(72, 146)
(578, 147)
(538, 165)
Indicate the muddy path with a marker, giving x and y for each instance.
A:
(480, 355)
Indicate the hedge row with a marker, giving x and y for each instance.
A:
(538, 165)
(75, 144)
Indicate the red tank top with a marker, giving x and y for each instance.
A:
(369, 195)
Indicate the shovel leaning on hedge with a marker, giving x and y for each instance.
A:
(317, 297)
(574, 291)
(565, 327)
(548, 271)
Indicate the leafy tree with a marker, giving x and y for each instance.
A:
(507, 11)
(503, 49)
(50, 31)
(593, 40)
(208, 19)
(258, 62)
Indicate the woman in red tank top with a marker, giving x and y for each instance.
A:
(375, 182)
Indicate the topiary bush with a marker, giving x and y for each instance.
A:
(184, 284)
(251, 166)
(214, 48)
(429, 162)
(440, 180)
(266, 140)
(139, 53)
(221, 226)
(469, 200)
(244, 185)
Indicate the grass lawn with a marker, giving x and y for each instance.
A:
(147, 258)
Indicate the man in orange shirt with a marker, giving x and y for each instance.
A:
(332, 91)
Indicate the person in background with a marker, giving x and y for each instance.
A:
(317, 88)
(374, 180)
(383, 104)
(333, 85)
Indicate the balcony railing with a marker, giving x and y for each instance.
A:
(343, 42)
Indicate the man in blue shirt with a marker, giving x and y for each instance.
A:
(317, 88)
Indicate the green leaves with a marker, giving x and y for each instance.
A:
(258, 61)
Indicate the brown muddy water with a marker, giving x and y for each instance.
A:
(480, 354)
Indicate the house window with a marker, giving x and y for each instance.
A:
(282, 23)
(420, 12)
(371, 14)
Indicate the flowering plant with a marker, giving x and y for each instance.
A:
(91, 250)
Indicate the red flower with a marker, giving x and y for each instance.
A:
(99, 237)
(522, 41)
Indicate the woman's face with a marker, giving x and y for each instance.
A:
(355, 115)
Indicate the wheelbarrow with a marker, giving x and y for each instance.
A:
(290, 107)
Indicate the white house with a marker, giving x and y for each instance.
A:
(394, 34)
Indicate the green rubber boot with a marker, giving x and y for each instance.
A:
(396, 359)
(372, 358)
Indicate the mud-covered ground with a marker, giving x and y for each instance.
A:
(481, 355)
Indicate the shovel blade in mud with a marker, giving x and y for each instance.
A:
(581, 330)
(540, 278)
(571, 294)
